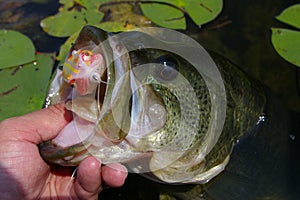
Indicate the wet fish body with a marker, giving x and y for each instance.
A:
(147, 114)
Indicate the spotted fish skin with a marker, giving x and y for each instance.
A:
(179, 153)
(245, 104)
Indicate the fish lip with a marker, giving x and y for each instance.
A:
(88, 34)
(69, 145)
(53, 153)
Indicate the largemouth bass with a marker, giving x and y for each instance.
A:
(165, 119)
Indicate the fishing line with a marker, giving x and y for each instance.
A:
(70, 184)
(98, 98)
(99, 81)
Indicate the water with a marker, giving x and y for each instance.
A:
(25, 16)
(246, 40)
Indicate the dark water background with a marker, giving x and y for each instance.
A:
(247, 42)
(241, 33)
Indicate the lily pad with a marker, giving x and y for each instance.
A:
(287, 44)
(203, 11)
(25, 87)
(65, 23)
(16, 48)
(72, 16)
(164, 15)
(66, 4)
(115, 26)
(170, 13)
(291, 16)
(91, 4)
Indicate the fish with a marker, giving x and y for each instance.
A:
(152, 110)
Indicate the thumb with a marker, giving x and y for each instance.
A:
(40, 125)
(91, 177)
(88, 180)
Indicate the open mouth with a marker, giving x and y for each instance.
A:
(85, 71)
(113, 108)
(75, 141)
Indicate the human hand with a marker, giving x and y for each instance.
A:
(25, 175)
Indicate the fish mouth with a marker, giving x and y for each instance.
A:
(73, 140)
(101, 117)
(110, 119)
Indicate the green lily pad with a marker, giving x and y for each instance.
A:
(164, 15)
(287, 44)
(203, 11)
(82, 4)
(72, 16)
(25, 87)
(65, 23)
(115, 26)
(66, 4)
(90, 4)
(17, 49)
(291, 16)
(170, 13)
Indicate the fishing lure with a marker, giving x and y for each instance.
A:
(82, 68)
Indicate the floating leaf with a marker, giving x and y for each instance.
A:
(82, 4)
(164, 15)
(25, 87)
(287, 44)
(115, 26)
(16, 48)
(170, 13)
(291, 16)
(66, 5)
(203, 11)
(91, 4)
(65, 23)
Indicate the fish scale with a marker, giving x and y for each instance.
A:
(185, 149)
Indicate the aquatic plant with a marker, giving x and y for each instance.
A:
(115, 16)
(25, 74)
(287, 41)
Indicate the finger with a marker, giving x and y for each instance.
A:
(40, 125)
(114, 174)
(88, 180)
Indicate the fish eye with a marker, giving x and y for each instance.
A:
(169, 69)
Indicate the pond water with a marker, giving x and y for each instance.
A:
(241, 33)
